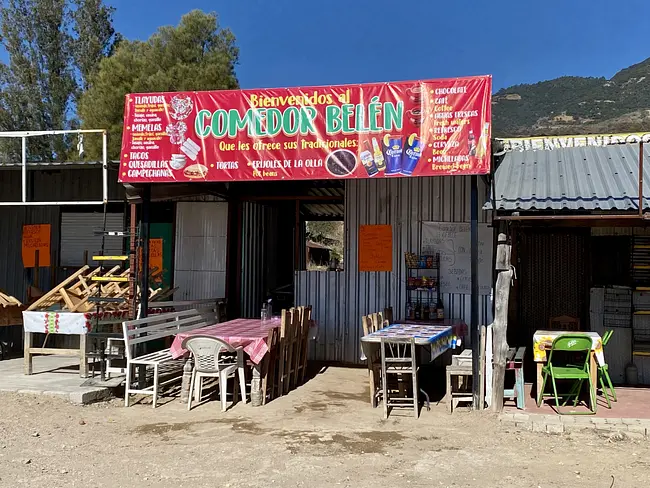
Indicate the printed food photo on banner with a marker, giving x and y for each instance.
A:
(383, 130)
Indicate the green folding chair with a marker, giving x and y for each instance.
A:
(603, 373)
(572, 364)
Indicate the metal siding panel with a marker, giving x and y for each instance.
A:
(200, 253)
(252, 259)
(404, 203)
(77, 236)
(13, 277)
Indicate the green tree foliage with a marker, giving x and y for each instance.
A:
(197, 54)
(53, 46)
(328, 233)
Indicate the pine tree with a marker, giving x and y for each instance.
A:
(54, 46)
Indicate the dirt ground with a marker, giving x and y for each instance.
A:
(324, 434)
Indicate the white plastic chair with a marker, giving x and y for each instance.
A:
(213, 358)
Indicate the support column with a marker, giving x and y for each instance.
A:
(474, 325)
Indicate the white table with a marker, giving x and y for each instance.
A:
(66, 323)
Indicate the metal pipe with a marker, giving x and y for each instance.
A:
(572, 217)
(303, 198)
(49, 132)
(24, 169)
(297, 237)
(144, 242)
(132, 263)
(474, 325)
(91, 202)
(105, 166)
(641, 178)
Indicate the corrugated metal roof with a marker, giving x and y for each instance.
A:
(576, 178)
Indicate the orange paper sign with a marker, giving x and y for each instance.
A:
(36, 238)
(155, 256)
(375, 248)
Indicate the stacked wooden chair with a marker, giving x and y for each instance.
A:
(286, 361)
(372, 323)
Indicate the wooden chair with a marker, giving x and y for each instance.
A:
(303, 345)
(288, 337)
(398, 357)
(564, 322)
(515, 362)
(388, 315)
(270, 367)
(374, 363)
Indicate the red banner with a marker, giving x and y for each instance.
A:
(420, 128)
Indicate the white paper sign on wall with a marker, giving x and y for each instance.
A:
(452, 241)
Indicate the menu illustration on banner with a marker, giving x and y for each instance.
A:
(420, 128)
(452, 241)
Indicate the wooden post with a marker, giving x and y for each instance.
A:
(37, 263)
(500, 323)
(28, 341)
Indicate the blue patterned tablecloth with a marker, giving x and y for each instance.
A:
(438, 337)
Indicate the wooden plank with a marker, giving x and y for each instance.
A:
(54, 351)
(57, 288)
(67, 299)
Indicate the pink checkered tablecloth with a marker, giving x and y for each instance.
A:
(251, 334)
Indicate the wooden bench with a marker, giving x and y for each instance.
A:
(515, 362)
(137, 333)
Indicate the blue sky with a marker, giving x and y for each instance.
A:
(291, 42)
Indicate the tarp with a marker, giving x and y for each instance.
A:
(382, 130)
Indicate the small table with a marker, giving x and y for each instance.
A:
(543, 340)
(66, 323)
(251, 334)
(439, 336)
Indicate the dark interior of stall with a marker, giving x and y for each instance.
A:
(556, 269)
(269, 222)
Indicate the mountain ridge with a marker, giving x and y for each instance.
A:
(575, 105)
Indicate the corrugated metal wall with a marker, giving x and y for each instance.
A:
(201, 245)
(252, 258)
(79, 184)
(404, 203)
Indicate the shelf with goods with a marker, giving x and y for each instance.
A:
(641, 296)
(423, 298)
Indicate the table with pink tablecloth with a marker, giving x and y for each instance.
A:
(251, 334)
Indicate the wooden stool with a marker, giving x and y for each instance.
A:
(515, 362)
(464, 374)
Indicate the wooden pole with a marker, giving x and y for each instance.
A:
(500, 324)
